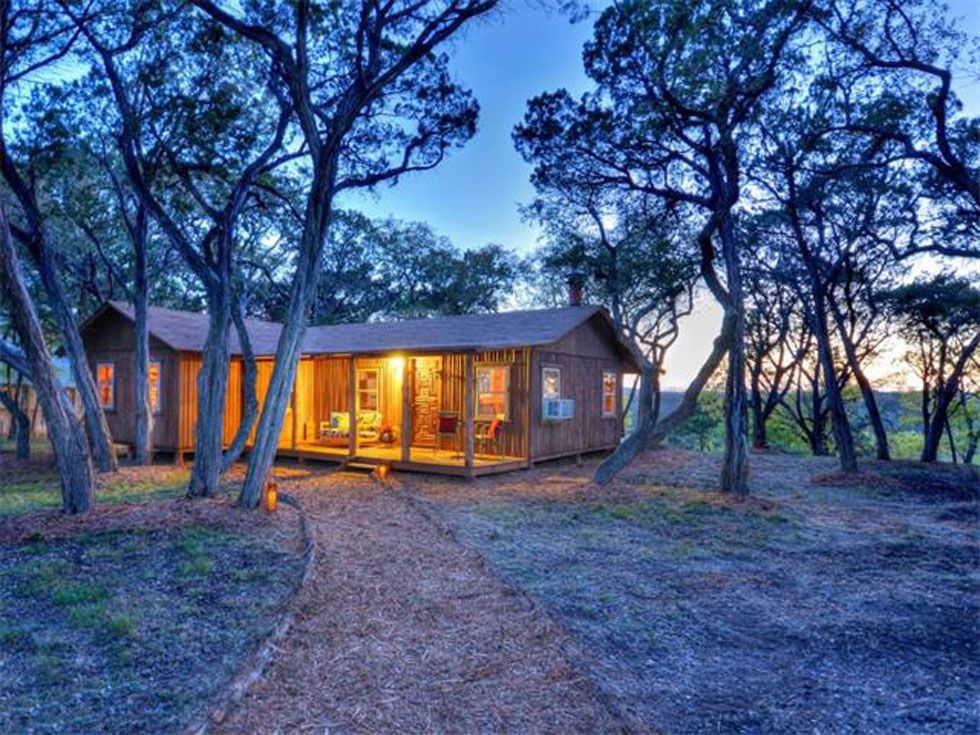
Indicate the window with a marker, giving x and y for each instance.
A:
(492, 391)
(105, 376)
(609, 393)
(154, 381)
(368, 388)
(550, 383)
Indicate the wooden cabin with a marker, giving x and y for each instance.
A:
(464, 395)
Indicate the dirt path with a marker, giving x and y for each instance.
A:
(403, 630)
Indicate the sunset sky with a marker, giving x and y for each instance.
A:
(473, 196)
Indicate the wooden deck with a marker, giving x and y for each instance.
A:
(437, 461)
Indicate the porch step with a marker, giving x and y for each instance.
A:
(366, 467)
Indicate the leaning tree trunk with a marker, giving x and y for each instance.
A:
(249, 379)
(867, 392)
(20, 422)
(735, 461)
(759, 439)
(68, 440)
(318, 215)
(212, 387)
(650, 434)
(945, 393)
(141, 372)
(100, 440)
(838, 414)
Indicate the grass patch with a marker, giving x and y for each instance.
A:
(100, 631)
(34, 485)
(78, 593)
(822, 607)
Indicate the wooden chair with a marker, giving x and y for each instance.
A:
(448, 427)
(489, 436)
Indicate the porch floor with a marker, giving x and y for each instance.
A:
(424, 459)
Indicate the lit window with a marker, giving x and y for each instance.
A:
(154, 380)
(105, 375)
(550, 383)
(492, 391)
(368, 386)
(608, 393)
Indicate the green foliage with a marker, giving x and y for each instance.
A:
(704, 429)
(393, 269)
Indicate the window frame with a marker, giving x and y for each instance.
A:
(98, 383)
(556, 369)
(602, 408)
(477, 416)
(376, 390)
(158, 411)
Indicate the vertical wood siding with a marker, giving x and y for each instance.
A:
(582, 355)
(514, 441)
(190, 365)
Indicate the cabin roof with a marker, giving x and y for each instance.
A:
(186, 331)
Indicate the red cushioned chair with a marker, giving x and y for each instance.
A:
(447, 428)
(489, 436)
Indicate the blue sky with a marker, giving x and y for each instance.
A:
(473, 196)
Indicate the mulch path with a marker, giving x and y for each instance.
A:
(401, 629)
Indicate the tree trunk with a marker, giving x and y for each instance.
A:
(972, 434)
(20, 422)
(249, 378)
(867, 392)
(945, 392)
(840, 424)
(276, 400)
(952, 443)
(649, 434)
(100, 440)
(317, 220)
(68, 441)
(141, 371)
(212, 387)
(735, 461)
(759, 439)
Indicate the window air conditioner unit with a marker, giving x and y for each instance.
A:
(558, 409)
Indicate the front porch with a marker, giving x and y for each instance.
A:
(437, 461)
(460, 413)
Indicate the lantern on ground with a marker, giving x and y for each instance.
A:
(271, 496)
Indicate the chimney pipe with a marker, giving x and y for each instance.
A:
(576, 281)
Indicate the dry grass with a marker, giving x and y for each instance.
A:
(825, 603)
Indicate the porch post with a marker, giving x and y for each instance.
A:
(406, 410)
(468, 408)
(352, 407)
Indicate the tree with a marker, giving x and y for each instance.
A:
(392, 269)
(635, 262)
(215, 148)
(65, 432)
(373, 101)
(939, 318)
(20, 422)
(426, 275)
(33, 37)
(898, 57)
(678, 87)
(772, 321)
(102, 226)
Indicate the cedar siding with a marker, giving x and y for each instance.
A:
(112, 339)
(416, 381)
(582, 355)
